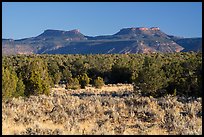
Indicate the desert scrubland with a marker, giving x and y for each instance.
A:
(113, 109)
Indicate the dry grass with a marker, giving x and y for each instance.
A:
(110, 110)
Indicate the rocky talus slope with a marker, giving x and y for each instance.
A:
(110, 110)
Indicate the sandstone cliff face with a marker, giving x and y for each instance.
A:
(110, 110)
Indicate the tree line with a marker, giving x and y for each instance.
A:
(155, 74)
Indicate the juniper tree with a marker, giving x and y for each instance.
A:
(83, 80)
(9, 82)
(37, 79)
(73, 83)
(20, 89)
(151, 78)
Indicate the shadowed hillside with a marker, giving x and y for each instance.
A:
(127, 40)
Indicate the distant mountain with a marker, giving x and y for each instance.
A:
(190, 44)
(127, 40)
(61, 35)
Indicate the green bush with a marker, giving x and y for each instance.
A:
(73, 83)
(9, 82)
(57, 77)
(98, 82)
(189, 82)
(151, 78)
(83, 80)
(37, 79)
(53, 70)
(66, 74)
(20, 89)
(164, 73)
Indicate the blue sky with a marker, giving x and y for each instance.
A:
(29, 19)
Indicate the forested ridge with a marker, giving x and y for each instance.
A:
(155, 74)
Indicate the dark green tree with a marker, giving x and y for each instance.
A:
(78, 67)
(120, 74)
(73, 83)
(173, 71)
(37, 79)
(20, 89)
(83, 80)
(66, 74)
(9, 82)
(189, 82)
(57, 77)
(151, 78)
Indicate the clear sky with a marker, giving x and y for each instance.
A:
(29, 19)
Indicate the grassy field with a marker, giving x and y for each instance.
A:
(111, 110)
